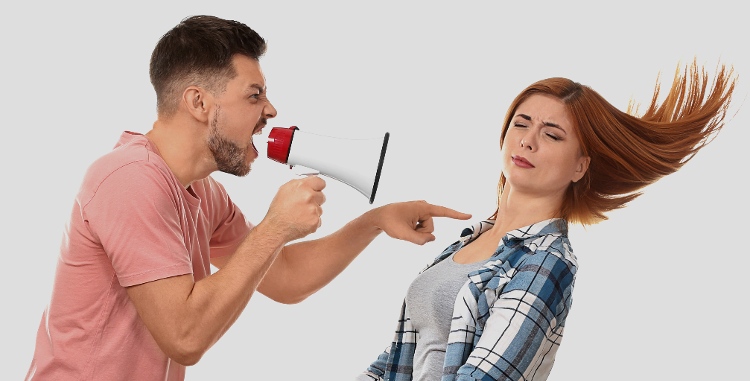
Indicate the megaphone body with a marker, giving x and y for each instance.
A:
(355, 162)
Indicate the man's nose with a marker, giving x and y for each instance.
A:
(269, 111)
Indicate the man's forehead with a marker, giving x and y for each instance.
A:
(249, 73)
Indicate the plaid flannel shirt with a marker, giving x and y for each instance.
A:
(509, 317)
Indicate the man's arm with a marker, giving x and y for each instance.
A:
(313, 264)
(187, 317)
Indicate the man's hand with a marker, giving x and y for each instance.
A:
(412, 220)
(296, 209)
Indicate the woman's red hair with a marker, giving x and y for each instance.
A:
(627, 151)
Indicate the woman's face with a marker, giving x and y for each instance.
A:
(541, 154)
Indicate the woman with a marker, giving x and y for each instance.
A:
(569, 156)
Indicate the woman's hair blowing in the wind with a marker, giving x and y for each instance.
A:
(630, 151)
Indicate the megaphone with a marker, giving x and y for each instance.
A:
(355, 162)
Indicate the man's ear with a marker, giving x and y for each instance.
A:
(196, 101)
(582, 167)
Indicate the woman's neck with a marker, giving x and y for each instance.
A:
(516, 210)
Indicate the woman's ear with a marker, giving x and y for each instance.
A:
(581, 168)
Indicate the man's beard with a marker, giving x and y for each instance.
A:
(229, 157)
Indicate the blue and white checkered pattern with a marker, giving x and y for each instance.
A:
(508, 318)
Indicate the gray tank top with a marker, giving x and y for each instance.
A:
(429, 300)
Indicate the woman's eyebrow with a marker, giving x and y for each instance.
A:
(548, 124)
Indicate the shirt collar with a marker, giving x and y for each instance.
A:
(549, 226)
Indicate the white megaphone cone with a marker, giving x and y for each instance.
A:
(355, 162)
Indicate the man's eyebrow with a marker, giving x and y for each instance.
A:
(260, 88)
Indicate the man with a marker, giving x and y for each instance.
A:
(134, 297)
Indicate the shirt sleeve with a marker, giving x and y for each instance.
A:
(376, 370)
(525, 323)
(136, 218)
(398, 358)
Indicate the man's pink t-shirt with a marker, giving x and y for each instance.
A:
(132, 222)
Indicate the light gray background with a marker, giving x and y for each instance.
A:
(660, 292)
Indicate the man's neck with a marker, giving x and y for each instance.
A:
(183, 149)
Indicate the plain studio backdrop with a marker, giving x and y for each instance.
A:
(660, 290)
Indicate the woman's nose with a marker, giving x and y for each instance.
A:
(527, 142)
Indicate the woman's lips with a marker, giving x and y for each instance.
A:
(521, 162)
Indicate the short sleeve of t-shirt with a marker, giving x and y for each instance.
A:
(137, 212)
